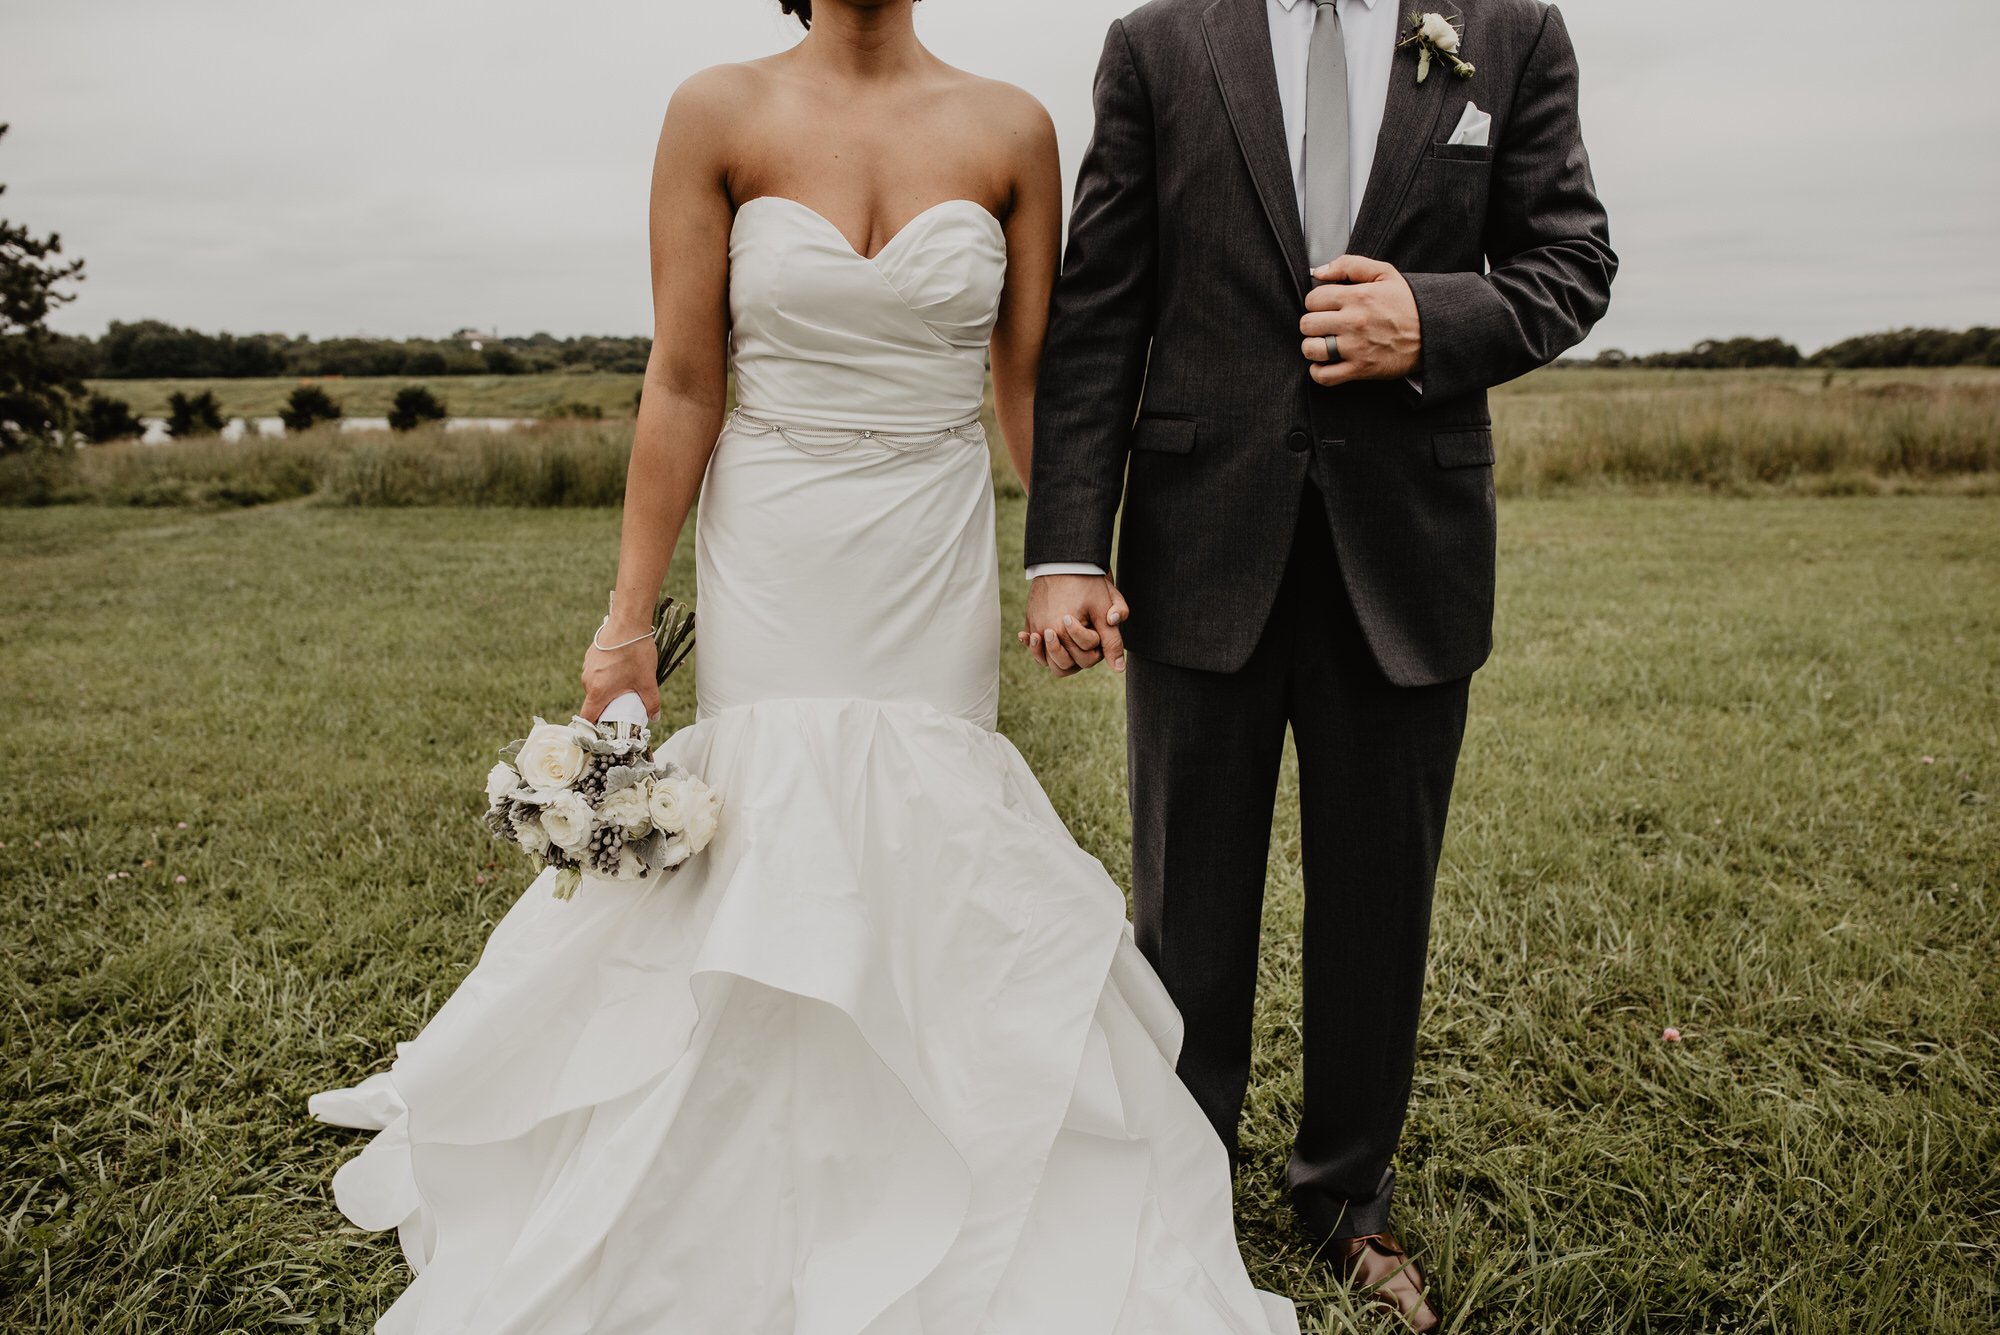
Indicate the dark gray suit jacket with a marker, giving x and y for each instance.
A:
(1173, 376)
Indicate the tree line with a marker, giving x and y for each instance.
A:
(1978, 346)
(155, 350)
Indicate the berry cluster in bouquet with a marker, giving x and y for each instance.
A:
(590, 799)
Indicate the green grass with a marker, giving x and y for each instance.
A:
(1732, 770)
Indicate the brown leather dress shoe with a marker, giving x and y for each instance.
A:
(1379, 1265)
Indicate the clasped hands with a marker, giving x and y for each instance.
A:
(1361, 323)
(1073, 623)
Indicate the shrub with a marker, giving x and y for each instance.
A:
(193, 415)
(40, 474)
(574, 410)
(414, 406)
(308, 406)
(105, 419)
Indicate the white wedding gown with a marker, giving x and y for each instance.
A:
(884, 1060)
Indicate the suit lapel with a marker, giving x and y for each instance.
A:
(1239, 44)
(1409, 124)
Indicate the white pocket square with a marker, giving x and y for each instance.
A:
(1475, 128)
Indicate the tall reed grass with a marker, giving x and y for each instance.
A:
(1749, 433)
(555, 464)
(1560, 430)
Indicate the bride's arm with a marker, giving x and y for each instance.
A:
(681, 407)
(1034, 250)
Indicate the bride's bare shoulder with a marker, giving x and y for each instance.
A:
(711, 101)
(717, 89)
(1007, 105)
(1019, 125)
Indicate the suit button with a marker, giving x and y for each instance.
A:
(1300, 442)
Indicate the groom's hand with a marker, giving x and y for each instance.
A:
(1073, 623)
(1361, 323)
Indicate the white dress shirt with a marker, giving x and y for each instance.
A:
(1369, 29)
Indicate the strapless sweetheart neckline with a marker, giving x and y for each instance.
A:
(888, 245)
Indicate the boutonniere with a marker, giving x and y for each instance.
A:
(1436, 38)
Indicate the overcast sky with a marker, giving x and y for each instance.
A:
(408, 167)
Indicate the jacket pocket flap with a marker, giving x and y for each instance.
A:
(1462, 152)
(1164, 435)
(1463, 449)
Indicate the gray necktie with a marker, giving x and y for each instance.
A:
(1329, 207)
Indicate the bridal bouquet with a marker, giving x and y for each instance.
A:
(585, 797)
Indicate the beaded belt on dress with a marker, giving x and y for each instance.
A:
(835, 440)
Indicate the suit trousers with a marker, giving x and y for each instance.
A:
(1376, 764)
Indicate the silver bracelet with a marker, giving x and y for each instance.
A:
(610, 607)
(622, 644)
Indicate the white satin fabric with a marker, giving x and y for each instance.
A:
(884, 1060)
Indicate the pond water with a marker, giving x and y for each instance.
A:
(239, 427)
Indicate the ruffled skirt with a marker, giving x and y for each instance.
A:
(884, 1060)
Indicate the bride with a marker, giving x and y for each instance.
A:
(884, 1060)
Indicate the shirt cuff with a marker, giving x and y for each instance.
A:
(1064, 568)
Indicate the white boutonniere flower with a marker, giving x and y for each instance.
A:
(1436, 38)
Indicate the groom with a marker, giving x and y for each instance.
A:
(1295, 268)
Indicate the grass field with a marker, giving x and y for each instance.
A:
(1732, 770)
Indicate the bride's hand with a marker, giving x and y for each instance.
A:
(610, 673)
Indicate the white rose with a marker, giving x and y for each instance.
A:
(665, 798)
(529, 835)
(631, 867)
(1439, 33)
(703, 813)
(567, 821)
(677, 851)
(626, 809)
(551, 757)
(500, 781)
